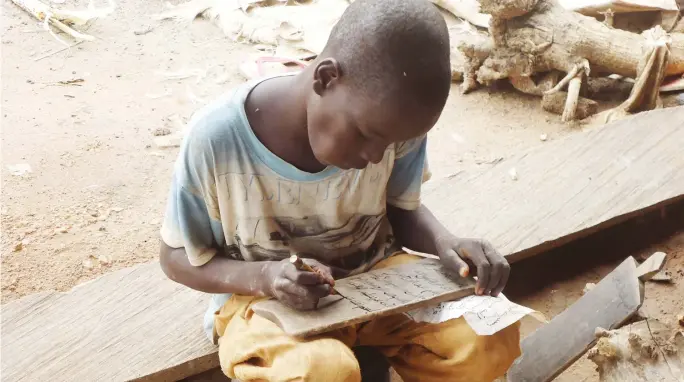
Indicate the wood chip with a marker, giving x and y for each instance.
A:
(651, 266)
(662, 277)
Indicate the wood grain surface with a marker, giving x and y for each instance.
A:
(556, 345)
(135, 323)
(370, 295)
(568, 188)
(129, 324)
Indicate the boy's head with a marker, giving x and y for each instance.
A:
(383, 77)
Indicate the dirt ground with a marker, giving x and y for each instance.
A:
(94, 199)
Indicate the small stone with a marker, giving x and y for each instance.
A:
(104, 259)
(18, 247)
(680, 319)
(513, 174)
(88, 263)
(543, 137)
(102, 228)
(161, 131)
(61, 230)
(95, 214)
(117, 209)
(588, 287)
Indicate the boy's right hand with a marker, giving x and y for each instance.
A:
(300, 290)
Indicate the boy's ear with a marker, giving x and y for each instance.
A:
(326, 74)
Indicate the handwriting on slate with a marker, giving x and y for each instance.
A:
(393, 287)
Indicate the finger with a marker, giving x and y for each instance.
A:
(303, 277)
(494, 277)
(309, 292)
(499, 267)
(323, 270)
(457, 264)
(478, 258)
(504, 279)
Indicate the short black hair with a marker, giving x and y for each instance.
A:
(391, 48)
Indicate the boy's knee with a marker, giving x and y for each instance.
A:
(331, 360)
(507, 345)
(482, 358)
(324, 359)
(494, 354)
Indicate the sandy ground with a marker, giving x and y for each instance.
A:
(95, 197)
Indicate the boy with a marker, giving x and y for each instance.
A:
(328, 164)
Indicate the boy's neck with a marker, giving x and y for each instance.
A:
(276, 110)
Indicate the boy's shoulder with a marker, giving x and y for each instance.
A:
(219, 119)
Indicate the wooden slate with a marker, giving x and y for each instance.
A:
(555, 346)
(125, 325)
(370, 295)
(135, 323)
(568, 188)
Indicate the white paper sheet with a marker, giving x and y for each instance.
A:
(485, 314)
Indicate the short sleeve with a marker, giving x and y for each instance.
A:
(409, 172)
(192, 219)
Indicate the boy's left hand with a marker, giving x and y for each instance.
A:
(492, 268)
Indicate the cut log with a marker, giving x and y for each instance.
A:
(531, 36)
(644, 351)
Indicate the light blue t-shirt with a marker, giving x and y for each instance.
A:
(231, 196)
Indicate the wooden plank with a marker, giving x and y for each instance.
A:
(555, 346)
(651, 266)
(125, 325)
(569, 188)
(370, 295)
(135, 323)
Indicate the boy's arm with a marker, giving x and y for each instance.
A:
(416, 228)
(219, 275)
(420, 231)
(280, 279)
(192, 234)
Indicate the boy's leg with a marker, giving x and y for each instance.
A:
(448, 351)
(252, 348)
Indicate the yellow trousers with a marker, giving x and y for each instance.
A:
(252, 348)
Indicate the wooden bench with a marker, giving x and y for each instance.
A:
(135, 324)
